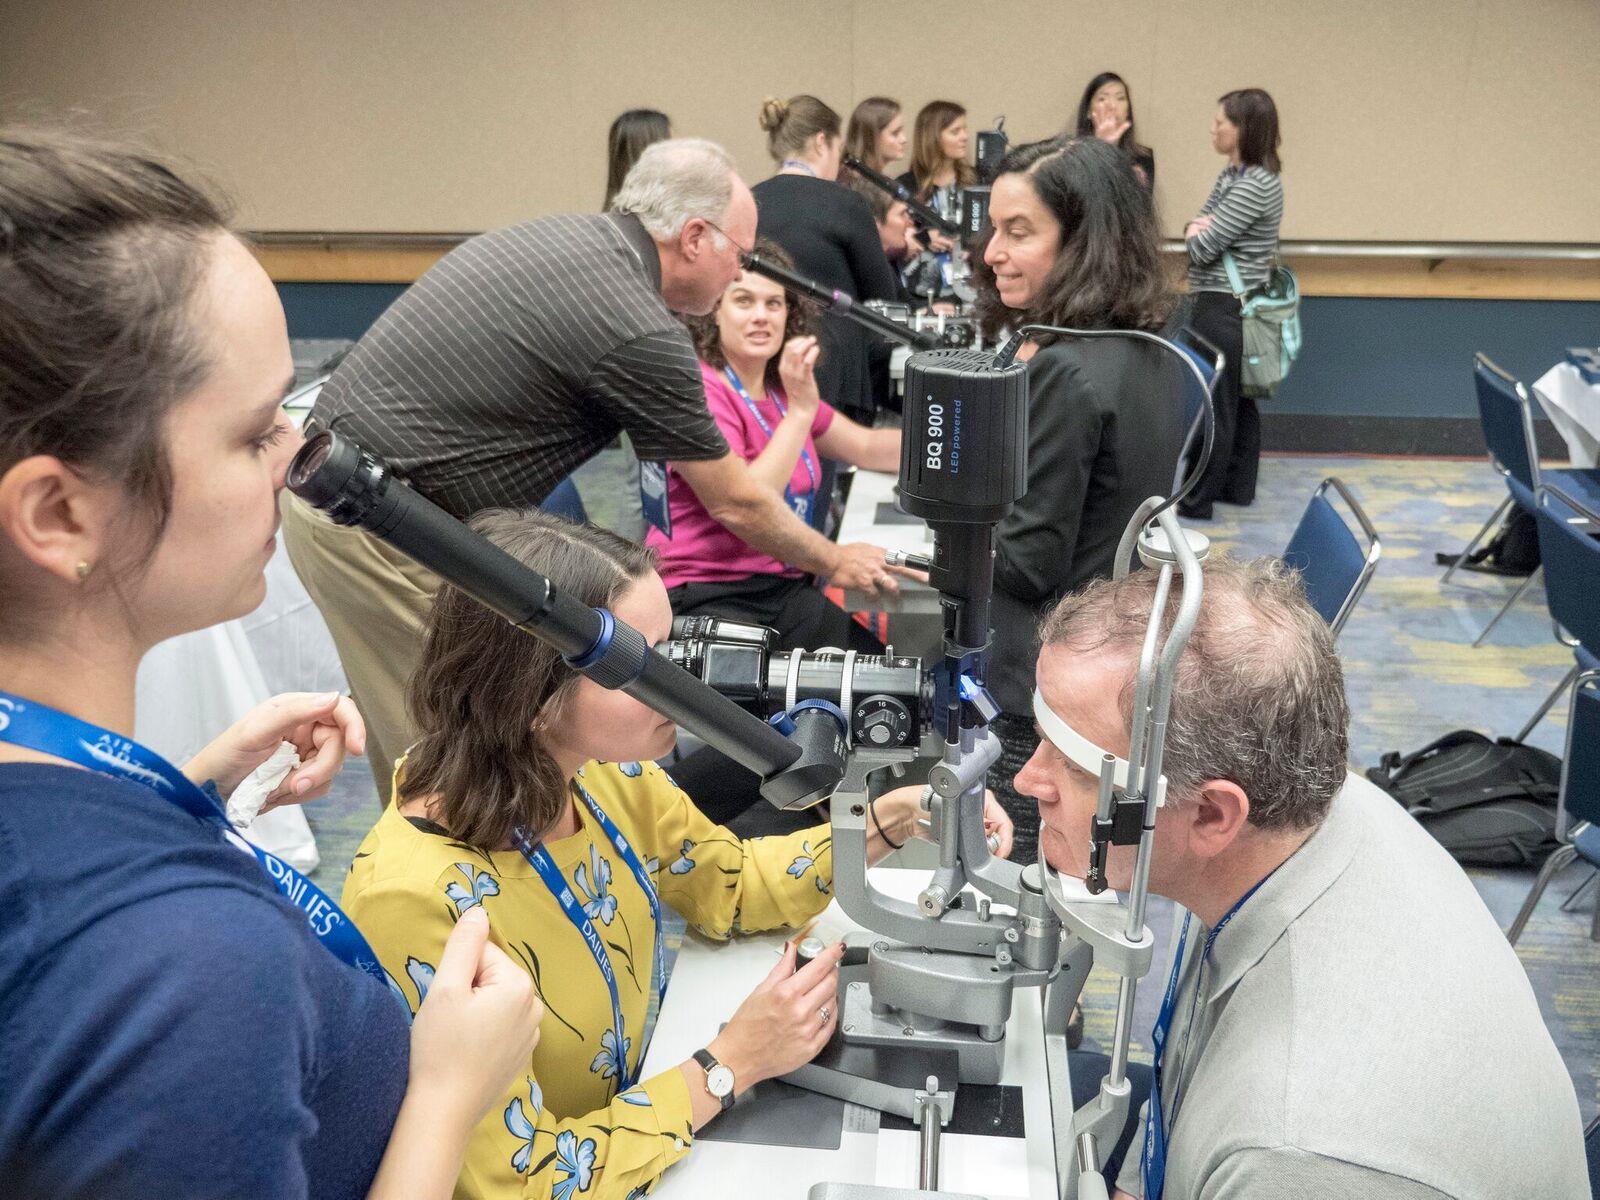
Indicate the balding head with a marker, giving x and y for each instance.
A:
(1259, 696)
(676, 181)
(700, 214)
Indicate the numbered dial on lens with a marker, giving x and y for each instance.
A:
(882, 721)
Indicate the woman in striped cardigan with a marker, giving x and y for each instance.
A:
(1239, 220)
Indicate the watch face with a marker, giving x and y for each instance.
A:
(719, 1081)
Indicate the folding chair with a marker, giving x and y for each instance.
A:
(564, 501)
(1578, 807)
(1505, 412)
(1570, 551)
(1211, 362)
(1332, 562)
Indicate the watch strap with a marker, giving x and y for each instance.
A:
(708, 1062)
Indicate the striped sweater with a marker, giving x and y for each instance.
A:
(1247, 205)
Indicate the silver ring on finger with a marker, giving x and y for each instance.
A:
(826, 1014)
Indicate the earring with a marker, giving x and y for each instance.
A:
(83, 570)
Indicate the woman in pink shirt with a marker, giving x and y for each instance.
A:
(757, 362)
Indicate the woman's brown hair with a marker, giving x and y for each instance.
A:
(1256, 117)
(792, 123)
(926, 154)
(627, 138)
(103, 250)
(1108, 272)
(483, 689)
(871, 117)
(708, 338)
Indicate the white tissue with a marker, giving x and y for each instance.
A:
(249, 796)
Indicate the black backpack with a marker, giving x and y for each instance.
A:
(1489, 803)
(1512, 551)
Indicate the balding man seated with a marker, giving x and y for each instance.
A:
(1346, 1020)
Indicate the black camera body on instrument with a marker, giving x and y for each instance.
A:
(885, 698)
(951, 331)
(964, 453)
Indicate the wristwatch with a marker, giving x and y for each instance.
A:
(719, 1079)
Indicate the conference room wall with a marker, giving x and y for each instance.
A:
(1404, 119)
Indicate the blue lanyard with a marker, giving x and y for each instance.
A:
(1153, 1163)
(805, 455)
(49, 731)
(539, 858)
(799, 166)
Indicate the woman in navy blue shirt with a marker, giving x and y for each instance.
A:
(169, 1023)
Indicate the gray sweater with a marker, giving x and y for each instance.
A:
(1247, 207)
(1364, 1030)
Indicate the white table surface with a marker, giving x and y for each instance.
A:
(1574, 409)
(708, 983)
(868, 490)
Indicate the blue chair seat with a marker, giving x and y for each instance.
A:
(1582, 484)
(1587, 843)
(1588, 660)
(564, 501)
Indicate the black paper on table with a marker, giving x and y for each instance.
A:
(774, 1113)
(983, 1109)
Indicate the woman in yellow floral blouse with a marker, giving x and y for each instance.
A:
(515, 741)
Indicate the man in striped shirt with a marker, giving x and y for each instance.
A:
(515, 359)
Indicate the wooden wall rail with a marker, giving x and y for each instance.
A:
(1480, 273)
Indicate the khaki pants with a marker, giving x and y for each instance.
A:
(375, 601)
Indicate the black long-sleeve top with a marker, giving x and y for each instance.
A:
(1105, 428)
(829, 232)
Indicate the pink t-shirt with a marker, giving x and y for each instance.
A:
(701, 550)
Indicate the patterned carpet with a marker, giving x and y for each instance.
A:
(1411, 672)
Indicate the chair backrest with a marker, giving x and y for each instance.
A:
(1570, 554)
(1505, 412)
(1580, 765)
(1334, 567)
(1211, 362)
(564, 501)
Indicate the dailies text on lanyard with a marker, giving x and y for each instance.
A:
(800, 504)
(49, 731)
(539, 858)
(1153, 1164)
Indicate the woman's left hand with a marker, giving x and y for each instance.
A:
(1108, 126)
(797, 368)
(322, 728)
(1198, 225)
(996, 821)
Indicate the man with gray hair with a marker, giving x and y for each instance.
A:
(1344, 1016)
(515, 359)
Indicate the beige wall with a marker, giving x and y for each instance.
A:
(1403, 119)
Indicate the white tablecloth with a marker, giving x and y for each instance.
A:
(1574, 409)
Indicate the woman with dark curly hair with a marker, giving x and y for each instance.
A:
(757, 359)
(1073, 244)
